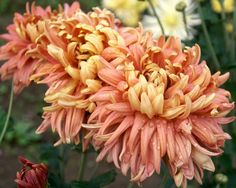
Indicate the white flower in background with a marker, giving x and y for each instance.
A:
(173, 20)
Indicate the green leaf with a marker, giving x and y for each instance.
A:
(83, 184)
(97, 182)
(22, 133)
(105, 178)
(55, 181)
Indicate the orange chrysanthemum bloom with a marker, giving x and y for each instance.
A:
(159, 103)
(71, 47)
(21, 38)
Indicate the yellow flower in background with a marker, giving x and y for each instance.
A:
(128, 11)
(228, 6)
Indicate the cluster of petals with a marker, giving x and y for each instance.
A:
(32, 175)
(159, 104)
(22, 36)
(72, 48)
(140, 101)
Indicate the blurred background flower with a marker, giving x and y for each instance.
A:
(175, 22)
(228, 5)
(129, 11)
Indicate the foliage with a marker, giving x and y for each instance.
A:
(56, 158)
(22, 133)
(97, 182)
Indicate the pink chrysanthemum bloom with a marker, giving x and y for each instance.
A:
(32, 175)
(22, 37)
(72, 47)
(159, 103)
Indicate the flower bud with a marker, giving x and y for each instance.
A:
(221, 178)
(181, 6)
(32, 175)
(229, 27)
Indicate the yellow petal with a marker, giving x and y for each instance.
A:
(158, 104)
(178, 178)
(146, 106)
(151, 91)
(133, 99)
(73, 72)
(194, 92)
(173, 112)
(58, 54)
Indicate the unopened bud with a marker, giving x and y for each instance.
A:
(181, 6)
(229, 27)
(221, 178)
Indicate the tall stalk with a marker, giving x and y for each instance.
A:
(157, 17)
(8, 114)
(208, 40)
(82, 165)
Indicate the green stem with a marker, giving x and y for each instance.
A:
(8, 114)
(185, 22)
(223, 18)
(157, 17)
(62, 162)
(82, 166)
(130, 185)
(164, 180)
(208, 40)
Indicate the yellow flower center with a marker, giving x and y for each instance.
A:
(170, 20)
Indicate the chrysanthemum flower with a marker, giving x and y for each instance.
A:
(22, 37)
(159, 103)
(32, 175)
(228, 6)
(129, 11)
(72, 47)
(172, 20)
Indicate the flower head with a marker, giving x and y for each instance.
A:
(21, 38)
(159, 103)
(129, 11)
(71, 48)
(173, 20)
(32, 175)
(228, 6)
